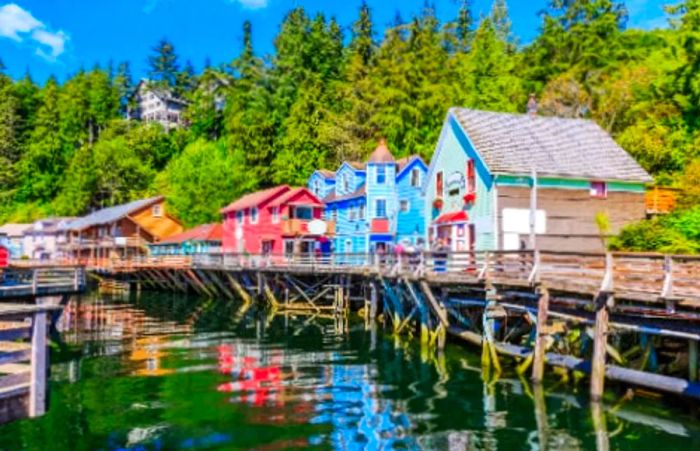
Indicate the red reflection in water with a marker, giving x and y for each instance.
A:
(258, 384)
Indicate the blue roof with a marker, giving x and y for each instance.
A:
(111, 214)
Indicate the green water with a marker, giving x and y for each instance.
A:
(167, 372)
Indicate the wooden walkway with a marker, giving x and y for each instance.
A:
(23, 360)
(29, 280)
(633, 318)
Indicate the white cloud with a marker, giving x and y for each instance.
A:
(17, 24)
(252, 4)
(14, 20)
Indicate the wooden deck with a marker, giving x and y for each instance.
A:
(23, 360)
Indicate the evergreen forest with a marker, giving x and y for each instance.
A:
(330, 90)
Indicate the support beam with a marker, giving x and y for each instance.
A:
(692, 360)
(39, 363)
(540, 340)
(600, 341)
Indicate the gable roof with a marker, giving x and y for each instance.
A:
(359, 192)
(161, 92)
(325, 173)
(111, 214)
(255, 199)
(403, 163)
(204, 232)
(14, 230)
(296, 192)
(519, 143)
(381, 154)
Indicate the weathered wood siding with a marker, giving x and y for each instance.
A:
(571, 213)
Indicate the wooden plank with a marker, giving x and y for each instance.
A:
(39, 362)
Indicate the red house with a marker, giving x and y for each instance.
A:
(275, 221)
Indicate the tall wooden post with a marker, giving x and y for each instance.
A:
(600, 340)
(533, 211)
(540, 340)
(692, 360)
(37, 391)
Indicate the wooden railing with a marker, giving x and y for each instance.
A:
(657, 276)
(41, 279)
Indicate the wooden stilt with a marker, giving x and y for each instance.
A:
(540, 340)
(692, 360)
(238, 288)
(600, 339)
(39, 363)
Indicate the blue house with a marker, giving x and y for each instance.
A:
(376, 204)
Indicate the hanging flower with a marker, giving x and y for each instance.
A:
(437, 203)
(469, 198)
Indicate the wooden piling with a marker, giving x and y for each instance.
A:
(692, 360)
(39, 362)
(540, 339)
(600, 340)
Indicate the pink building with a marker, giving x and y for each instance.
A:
(275, 221)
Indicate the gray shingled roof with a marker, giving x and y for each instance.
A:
(111, 214)
(519, 143)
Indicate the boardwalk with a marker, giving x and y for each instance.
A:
(28, 280)
(627, 317)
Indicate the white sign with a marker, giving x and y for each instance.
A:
(120, 241)
(317, 227)
(455, 181)
(239, 232)
(517, 220)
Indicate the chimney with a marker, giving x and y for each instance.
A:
(532, 105)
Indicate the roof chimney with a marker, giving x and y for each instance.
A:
(532, 106)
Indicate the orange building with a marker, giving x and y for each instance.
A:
(120, 231)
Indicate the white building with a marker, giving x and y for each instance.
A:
(12, 237)
(151, 103)
(42, 239)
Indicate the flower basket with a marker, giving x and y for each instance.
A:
(469, 198)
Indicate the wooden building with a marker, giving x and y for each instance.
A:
(375, 204)
(279, 220)
(497, 180)
(202, 239)
(119, 231)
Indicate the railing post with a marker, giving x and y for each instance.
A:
(535, 273)
(35, 280)
(37, 391)
(604, 300)
(540, 339)
(667, 290)
(76, 285)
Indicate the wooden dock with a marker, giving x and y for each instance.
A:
(24, 280)
(633, 318)
(24, 360)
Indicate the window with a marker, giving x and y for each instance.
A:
(302, 213)
(381, 174)
(471, 177)
(317, 187)
(348, 246)
(438, 184)
(599, 190)
(275, 215)
(361, 213)
(239, 218)
(254, 215)
(346, 183)
(415, 178)
(404, 206)
(157, 211)
(380, 208)
(334, 214)
(351, 213)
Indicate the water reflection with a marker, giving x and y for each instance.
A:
(169, 372)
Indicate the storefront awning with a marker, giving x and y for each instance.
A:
(449, 218)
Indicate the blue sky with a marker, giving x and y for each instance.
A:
(61, 36)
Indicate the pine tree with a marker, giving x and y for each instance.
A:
(163, 65)
(124, 84)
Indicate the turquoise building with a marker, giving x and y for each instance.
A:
(376, 204)
(202, 239)
(501, 181)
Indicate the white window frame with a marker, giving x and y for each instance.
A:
(254, 215)
(594, 194)
(157, 211)
(384, 171)
(415, 172)
(275, 215)
(361, 212)
(376, 208)
(401, 205)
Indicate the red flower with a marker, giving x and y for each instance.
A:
(469, 198)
